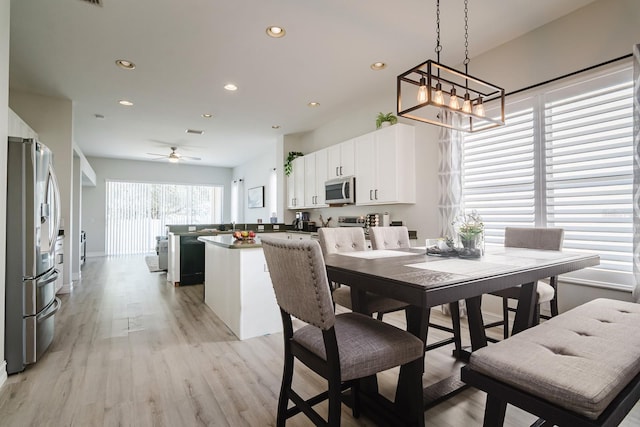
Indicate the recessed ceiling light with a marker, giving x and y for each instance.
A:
(207, 115)
(376, 66)
(276, 32)
(275, 127)
(125, 103)
(99, 116)
(313, 104)
(231, 87)
(125, 65)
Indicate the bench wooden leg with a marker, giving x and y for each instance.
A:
(494, 411)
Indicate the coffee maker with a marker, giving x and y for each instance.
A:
(302, 221)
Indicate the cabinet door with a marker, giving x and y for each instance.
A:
(333, 161)
(298, 186)
(321, 177)
(347, 158)
(341, 159)
(291, 191)
(310, 180)
(386, 165)
(365, 170)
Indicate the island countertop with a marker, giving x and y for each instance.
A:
(230, 242)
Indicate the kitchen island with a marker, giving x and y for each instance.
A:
(238, 287)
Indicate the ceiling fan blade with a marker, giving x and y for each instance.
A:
(190, 157)
(156, 154)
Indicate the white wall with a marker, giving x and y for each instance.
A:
(52, 119)
(4, 114)
(257, 173)
(93, 198)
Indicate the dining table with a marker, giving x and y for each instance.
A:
(425, 281)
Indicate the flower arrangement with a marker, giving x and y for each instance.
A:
(469, 225)
(470, 229)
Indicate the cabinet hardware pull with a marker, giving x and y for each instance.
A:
(337, 174)
(370, 194)
(340, 170)
(376, 193)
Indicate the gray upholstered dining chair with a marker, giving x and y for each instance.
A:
(389, 237)
(341, 348)
(351, 239)
(397, 238)
(531, 238)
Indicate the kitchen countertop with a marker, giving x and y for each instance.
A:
(218, 232)
(230, 242)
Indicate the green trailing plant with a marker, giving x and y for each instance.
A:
(389, 117)
(288, 167)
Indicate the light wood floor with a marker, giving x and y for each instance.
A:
(132, 350)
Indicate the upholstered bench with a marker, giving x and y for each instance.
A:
(580, 368)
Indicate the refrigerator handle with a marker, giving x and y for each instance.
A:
(51, 311)
(56, 204)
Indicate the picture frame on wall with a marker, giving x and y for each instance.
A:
(256, 197)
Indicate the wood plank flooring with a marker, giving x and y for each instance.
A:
(132, 350)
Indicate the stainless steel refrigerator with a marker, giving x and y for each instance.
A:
(33, 220)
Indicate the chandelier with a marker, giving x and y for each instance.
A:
(429, 88)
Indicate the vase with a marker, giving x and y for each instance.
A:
(385, 124)
(472, 245)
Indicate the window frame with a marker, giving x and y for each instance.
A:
(538, 98)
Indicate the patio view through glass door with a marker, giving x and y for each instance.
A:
(137, 212)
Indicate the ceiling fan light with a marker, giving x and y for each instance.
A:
(174, 159)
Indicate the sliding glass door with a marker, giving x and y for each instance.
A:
(137, 212)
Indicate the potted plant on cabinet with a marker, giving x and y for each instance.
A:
(287, 164)
(384, 120)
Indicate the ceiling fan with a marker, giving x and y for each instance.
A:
(173, 157)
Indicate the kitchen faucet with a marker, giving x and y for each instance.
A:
(233, 226)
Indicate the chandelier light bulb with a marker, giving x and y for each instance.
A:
(453, 101)
(438, 98)
(422, 91)
(479, 109)
(466, 105)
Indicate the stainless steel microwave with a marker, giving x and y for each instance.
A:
(340, 190)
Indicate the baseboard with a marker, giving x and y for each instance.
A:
(3, 373)
(94, 254)
(66, 288)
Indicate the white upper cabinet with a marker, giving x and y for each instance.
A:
(341, 160)
(315, 171)
(385, 166)
(295, 184)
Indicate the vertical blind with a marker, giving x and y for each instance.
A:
(138, 212)
(564, 159)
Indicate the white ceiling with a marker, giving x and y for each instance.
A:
(186, 50)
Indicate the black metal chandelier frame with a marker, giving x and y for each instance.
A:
(425, 82)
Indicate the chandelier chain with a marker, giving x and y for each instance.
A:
(438, 45)
(466, 35)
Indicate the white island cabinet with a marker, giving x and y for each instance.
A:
(238, 287)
